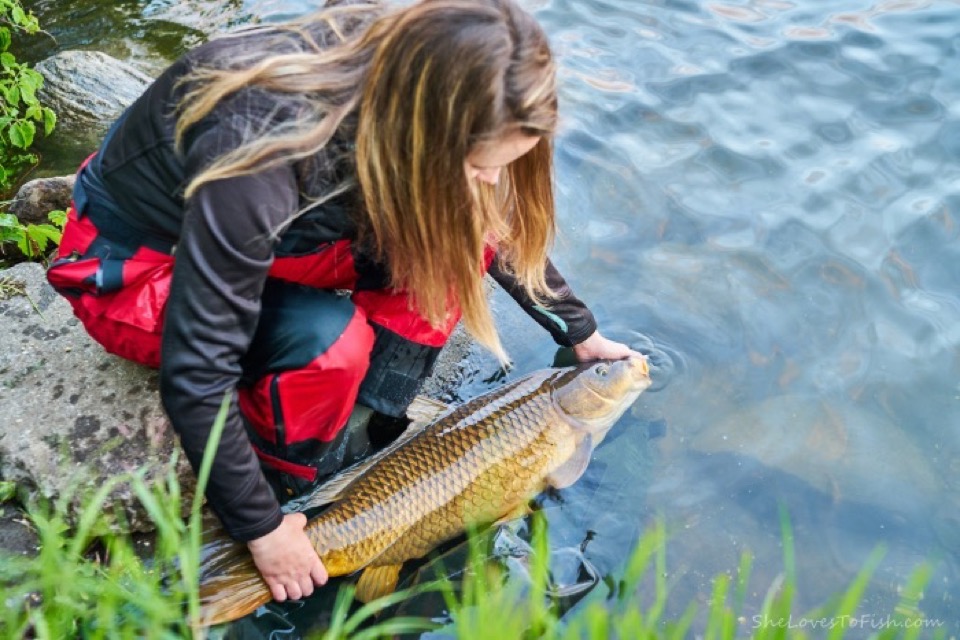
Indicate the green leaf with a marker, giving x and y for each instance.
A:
(12, 95)
(8, 234)
(23, 243)
(4, 38)
(34, 112)
(28, 90)
(30, 78)
(37, 237)
(42, 234)
(21, 133)
(49, 120)
(30, 24)
(8, 490)
(19, 16)
(58, 217)
(16, 136)
(9, 221)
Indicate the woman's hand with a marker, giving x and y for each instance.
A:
(596, 347)
(287, 561)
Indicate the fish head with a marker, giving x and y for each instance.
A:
(593, 396)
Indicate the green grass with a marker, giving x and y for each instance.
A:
(67, 592)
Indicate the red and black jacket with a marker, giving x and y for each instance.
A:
(226, 245)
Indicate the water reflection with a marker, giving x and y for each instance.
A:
(763, 196)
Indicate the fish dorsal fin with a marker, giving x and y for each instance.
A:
(426, 410)
(332, 490)
(571, 470)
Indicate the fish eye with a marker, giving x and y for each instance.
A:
(601, 370)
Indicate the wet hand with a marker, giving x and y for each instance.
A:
(287, 560)
(596, 347)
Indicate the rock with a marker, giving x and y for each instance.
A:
(39, 197)
(206, 16)
(75, 416)
(88, 87)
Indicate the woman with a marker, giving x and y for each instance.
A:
(302, 213)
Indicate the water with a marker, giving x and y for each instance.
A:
(764, 195)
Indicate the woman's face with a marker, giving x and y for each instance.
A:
(485, 161)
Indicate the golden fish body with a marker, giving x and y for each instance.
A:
(474, 464)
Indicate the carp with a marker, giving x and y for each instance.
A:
(453, 468)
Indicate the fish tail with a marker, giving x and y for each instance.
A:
(231, 587)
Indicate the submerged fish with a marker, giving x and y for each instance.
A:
(453, 468)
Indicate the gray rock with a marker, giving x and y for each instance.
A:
(73, 415)
(88, 87)
(37, 198)
(451, 367)
(206, 16)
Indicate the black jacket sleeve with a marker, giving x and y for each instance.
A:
(222, 259)
(567, 318)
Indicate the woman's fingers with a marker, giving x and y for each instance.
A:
(287, 560)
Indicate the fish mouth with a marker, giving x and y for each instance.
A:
(639, 371)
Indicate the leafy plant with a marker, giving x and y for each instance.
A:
(20, 110)
(32, 239)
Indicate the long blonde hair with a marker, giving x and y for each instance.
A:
(427, 84)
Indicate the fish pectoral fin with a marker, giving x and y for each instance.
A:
(376, 582)
(426, 410)
(571, 470)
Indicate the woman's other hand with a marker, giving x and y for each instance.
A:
(596, 347)
(287, 560)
